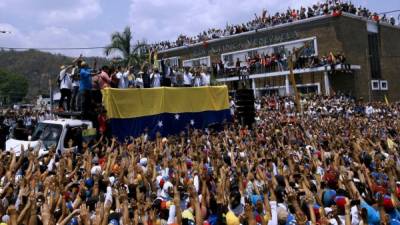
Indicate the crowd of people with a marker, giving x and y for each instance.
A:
(81, 85)
(337, 163)
(267, 63)
(266, 19)
(19, 124)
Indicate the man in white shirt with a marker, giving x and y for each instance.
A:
(155, 78)
(197, 80)
(65, 87)
(139, 80)
(173, 75)
(187, 78)
(168, 73)
(75, 88)
(205, 78)
(122, 77)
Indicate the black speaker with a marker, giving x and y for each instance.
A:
(245, 110)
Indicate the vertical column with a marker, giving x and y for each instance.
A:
(253, 86)
(327, 84)
(287, 87)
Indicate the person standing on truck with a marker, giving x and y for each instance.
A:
(145, 76)
(155, 78)
(104, 78)
(75, 88)
(85, 87)
(65, 82)
(122, 77)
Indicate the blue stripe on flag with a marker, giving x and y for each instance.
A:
(167, 123)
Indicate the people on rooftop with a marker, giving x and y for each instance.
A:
(267, 19)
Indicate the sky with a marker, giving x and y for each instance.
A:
(89, 23)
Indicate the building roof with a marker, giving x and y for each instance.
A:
(285, 25)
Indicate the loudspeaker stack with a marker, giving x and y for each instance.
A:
(245, 106)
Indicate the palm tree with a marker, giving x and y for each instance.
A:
(121, 42)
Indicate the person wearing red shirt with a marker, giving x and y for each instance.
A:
(102, 121)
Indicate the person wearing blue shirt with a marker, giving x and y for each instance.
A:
(373, 214)
(85, 87)
(86, 78)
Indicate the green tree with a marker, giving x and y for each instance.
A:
(121, 43)
(38, 67)
(13, 87)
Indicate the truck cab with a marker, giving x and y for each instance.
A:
(54, 133)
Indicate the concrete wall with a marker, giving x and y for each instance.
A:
(353, 35)
(390, 59)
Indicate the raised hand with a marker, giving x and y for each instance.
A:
(45, 213)
(99, 213)
(84, 214)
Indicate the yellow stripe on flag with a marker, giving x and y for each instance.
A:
(386, 100)
(132, 103)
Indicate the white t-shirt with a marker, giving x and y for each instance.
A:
(205, 79)
(168, 72)
(122, 79)
(139, 82)
(369, 110)
(197, 81)
(65, 80)
(155, 77)
(187, 78)
(75, 83)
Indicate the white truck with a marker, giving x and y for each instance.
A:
(55, 133)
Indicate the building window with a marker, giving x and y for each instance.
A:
(384, 85)
(203, 61)
(374, 85)
(173, 61)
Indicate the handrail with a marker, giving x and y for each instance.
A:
(284, 73)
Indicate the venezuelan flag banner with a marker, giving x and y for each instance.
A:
(386, 100)
(165, 110)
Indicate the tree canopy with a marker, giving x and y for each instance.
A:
(13, 87)
(121, 42)
(38, 67)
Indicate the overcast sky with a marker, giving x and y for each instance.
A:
(87, 23)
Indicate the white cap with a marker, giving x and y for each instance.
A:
(95, 170)
(112, 180)
(143, 161)
(327, 210)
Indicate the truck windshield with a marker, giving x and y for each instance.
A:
(48, 133)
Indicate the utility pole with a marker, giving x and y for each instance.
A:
(293, 81)
(51, 93)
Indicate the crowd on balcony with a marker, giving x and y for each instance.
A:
(267, 19)
(275, 62)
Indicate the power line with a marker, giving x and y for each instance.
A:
(393, 11)
(49, 49)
